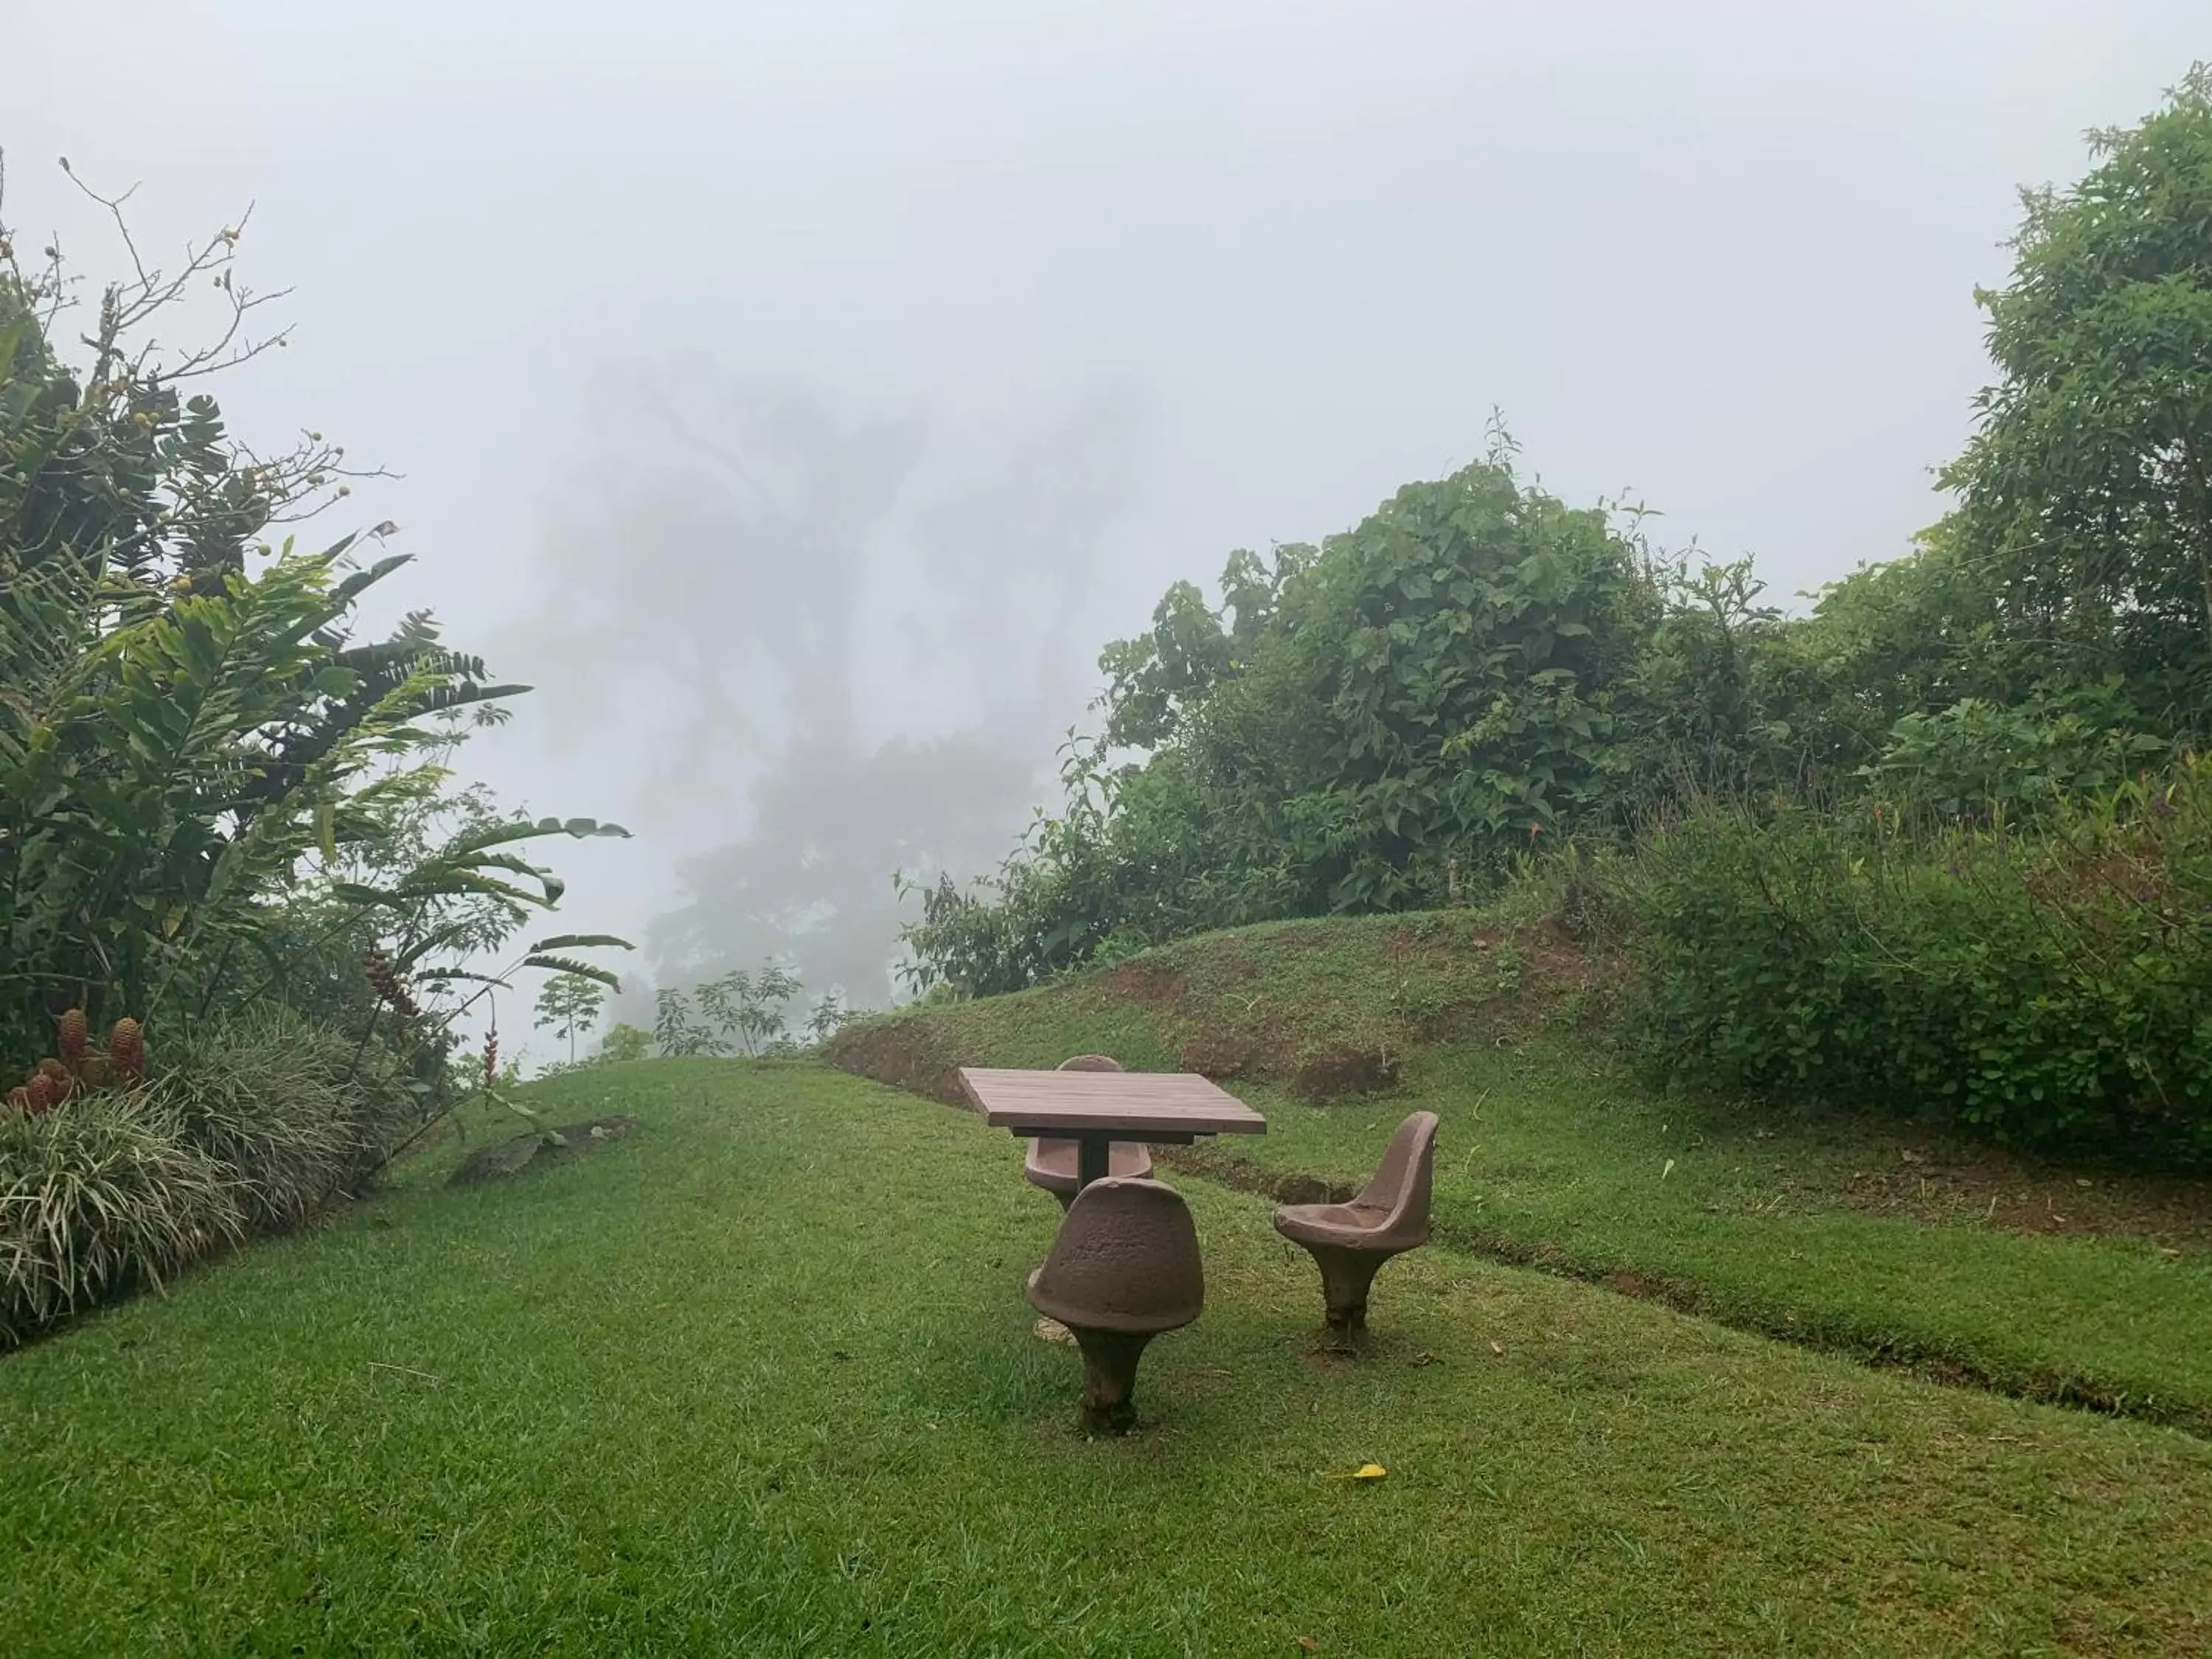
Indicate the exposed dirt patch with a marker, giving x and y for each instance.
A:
(900, 1051)
(1324, 1007)
(1142, 980)
(1939, 1183)
(1218, 1055)
(1334, 1073)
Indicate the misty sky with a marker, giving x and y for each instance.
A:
(1719, 256)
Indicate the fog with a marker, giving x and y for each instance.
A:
(800, 395)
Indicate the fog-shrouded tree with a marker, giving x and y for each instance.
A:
(771, 573)
(569, 1007)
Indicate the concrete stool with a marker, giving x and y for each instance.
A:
(1350, 1241)
(1123, 1268)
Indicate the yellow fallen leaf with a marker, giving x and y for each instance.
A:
(1370, 1472)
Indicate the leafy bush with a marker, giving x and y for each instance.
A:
(623, 1041)
(2048, 988)
(1388, 719)
(103, 1194)
(1976, 758)
(1360, 727)
(2086, 493)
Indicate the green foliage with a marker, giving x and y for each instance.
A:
(1478, 674)
(676, 1030)
(253, 1124)
(2088, 490)
(218, 804)
(2048, 988)
(184, 739)
(624, 1041)
(1976, 759)
(297, 1111)
(828, 1017)
(1358, 728)
(165, 765)
(1714, 706)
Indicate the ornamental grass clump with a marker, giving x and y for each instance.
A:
(298, 1110)
(103, 1194)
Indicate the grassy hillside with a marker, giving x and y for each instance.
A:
(760, 1378)
(1879, 1238)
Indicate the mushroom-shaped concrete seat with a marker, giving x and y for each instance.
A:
(1350, 1241)
(1051, 1162)
(1124, 1267)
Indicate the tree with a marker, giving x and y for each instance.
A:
(569, 1005)
(1362, 726)
(624, 1041)
(739, 539)
(2087, 491)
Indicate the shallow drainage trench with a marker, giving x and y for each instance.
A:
(1880, 1352)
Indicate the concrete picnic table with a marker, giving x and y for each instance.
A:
(1096, 1109)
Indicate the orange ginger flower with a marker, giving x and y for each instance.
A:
(74, 1039)
(126, 1049)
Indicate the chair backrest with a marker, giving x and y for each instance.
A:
(1125, 1259)
(1090, 1063)
(1401, 1186)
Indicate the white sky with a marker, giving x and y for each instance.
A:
(1718, 255)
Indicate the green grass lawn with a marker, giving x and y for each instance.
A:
(1552, 1154)
(760, 1378)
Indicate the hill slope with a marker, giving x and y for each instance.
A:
(1881, 1239)
(1319, 1009)
(759, 1378)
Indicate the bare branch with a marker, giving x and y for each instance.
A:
(135, 378)
(114, 206)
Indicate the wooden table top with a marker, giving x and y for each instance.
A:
(1127, 1104)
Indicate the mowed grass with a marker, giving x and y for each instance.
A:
(1552, 1153)
(760, 1378)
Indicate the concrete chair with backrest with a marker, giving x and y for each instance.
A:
(1052, 1163)
(1350, 1241)
(1124, 1267)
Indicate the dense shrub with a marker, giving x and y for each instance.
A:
(103, 1194)
(2051, 988)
